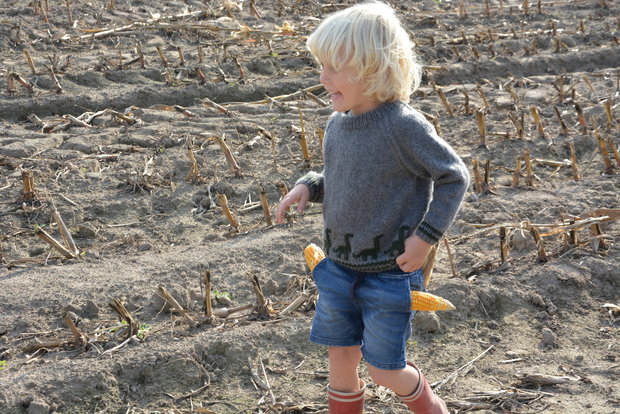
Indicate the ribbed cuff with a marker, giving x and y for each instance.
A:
(314, 182)
(428, 233)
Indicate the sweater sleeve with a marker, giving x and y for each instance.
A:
(427, 155)
(314, 182)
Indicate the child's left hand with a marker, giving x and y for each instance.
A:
(415, 254)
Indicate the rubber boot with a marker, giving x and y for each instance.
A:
(346, 402)
(423, 400)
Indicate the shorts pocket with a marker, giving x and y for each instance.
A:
(416, 281)
(392, 291)
(319, 269)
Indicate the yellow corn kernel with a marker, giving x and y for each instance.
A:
(313, 254)
(424, 301)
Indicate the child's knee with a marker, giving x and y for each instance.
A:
(382, 377)
(345, 352)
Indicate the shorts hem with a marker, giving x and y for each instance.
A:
(331, 342)
(383, 365)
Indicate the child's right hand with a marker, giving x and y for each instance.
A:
(300, 194)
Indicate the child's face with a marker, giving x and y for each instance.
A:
(347, 95)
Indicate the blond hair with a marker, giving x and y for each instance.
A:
(369, 38)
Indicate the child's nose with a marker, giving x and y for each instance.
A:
(323, 76)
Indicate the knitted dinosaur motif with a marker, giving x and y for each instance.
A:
(343, 251)
(327, 242)
(372, 252)
(398, 245)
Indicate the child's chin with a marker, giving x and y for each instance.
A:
(339, 107)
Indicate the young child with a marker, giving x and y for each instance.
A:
(390, 188)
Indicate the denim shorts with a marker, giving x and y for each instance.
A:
(368, 309)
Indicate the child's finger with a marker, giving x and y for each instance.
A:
(301, 205)
(281, 209)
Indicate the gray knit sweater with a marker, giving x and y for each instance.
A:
(386, 175)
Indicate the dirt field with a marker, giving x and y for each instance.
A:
(120, 123)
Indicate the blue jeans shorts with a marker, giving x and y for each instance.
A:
(368, 309)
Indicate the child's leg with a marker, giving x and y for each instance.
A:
(343, 365)
(385, 299)
(412, 388)
(338, 325)
(345, 392)
(401, 381)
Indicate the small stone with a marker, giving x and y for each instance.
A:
(537, 300)
(91, 310)
(145, 246)
(206, 203)
(493, 325)
(38, 407)
(548, 338)
(270, 287)
(86, 231)
(516, 353)
(427, 321)
(520, 240)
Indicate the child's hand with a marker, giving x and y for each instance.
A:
(415, 254)
(300, 194)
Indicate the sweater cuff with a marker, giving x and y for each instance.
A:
(314, 182)
(428, 233)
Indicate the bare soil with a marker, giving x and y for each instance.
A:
(530, 334)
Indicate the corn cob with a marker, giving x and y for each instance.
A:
(422, 301)
(313, 254)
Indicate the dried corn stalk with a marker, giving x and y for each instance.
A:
(126, 316)
(230, 158)
(429, 263)
(66, 235)
(229, 216)
(542, 254)
(539, 125)
(263, 305)
(174, 305)
(573, 158)
(516, 175)
(80, 339)
(194, 172)
(482, 127)
(608, 113)
(564, 128)
(477, 177)
(302, 139)
(444, 101)
(208, 308)
(28, 193)
(265, 205)
(529, 177)
(614, 150)
(33, 68)
(602, 145)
